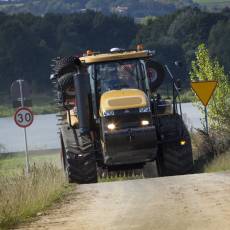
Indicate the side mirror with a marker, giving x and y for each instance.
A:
(155, 74)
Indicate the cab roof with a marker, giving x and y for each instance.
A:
(114, 56)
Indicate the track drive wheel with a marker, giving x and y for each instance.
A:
(66, 65)
(174, 158)
(63, 153)
(80, 158)
(65, 81)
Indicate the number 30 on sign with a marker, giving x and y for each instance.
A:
(23, 117)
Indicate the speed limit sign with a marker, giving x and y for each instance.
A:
(23, 117)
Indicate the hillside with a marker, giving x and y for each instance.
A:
(134, 8)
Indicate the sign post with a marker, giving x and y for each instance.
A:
(25, 134)
(23, 116)
(206, 118)
(204, 91)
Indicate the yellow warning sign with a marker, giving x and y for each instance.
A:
(204, 90)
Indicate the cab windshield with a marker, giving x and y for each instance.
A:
(119, 75)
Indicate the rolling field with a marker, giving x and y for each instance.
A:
(217, 3)
(211, 1)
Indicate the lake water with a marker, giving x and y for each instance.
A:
(191, 115)
(42, 134)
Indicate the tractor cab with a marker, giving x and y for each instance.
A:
(122, 80)
(121, 87)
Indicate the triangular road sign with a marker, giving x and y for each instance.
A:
(204, 90)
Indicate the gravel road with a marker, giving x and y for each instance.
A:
(196, 202)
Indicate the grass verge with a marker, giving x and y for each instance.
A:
(219, 163)
(21, 196)
(24, 196)
(211, 152)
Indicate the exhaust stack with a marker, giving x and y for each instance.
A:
(82, 89)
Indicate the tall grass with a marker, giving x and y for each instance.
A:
(211, 152)
(23, 196)
(219, 163)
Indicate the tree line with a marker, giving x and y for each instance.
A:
(134, 8)
(177, 36)
(28, 43)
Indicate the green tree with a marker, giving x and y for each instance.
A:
(219, 42)
(206, 68)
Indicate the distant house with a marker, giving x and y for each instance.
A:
(83, 10)
(120, 10)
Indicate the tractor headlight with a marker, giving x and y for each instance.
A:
(108, 113)
(182, 142)
(145, 110)
(144, 122)
(111, 126)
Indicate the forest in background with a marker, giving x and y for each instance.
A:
(28, 42)
(133, 8)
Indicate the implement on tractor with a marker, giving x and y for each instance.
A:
(112, 121)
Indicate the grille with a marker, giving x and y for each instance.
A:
(132, 101)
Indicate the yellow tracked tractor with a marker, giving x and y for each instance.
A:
(110, 119)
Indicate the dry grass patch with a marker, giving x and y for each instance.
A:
(211, 152)
(24, 196)
(219, 163)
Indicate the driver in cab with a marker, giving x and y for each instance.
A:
(119, 77)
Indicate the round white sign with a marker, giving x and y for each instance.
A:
(23, 117)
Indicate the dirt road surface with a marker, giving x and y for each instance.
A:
(196, 202)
